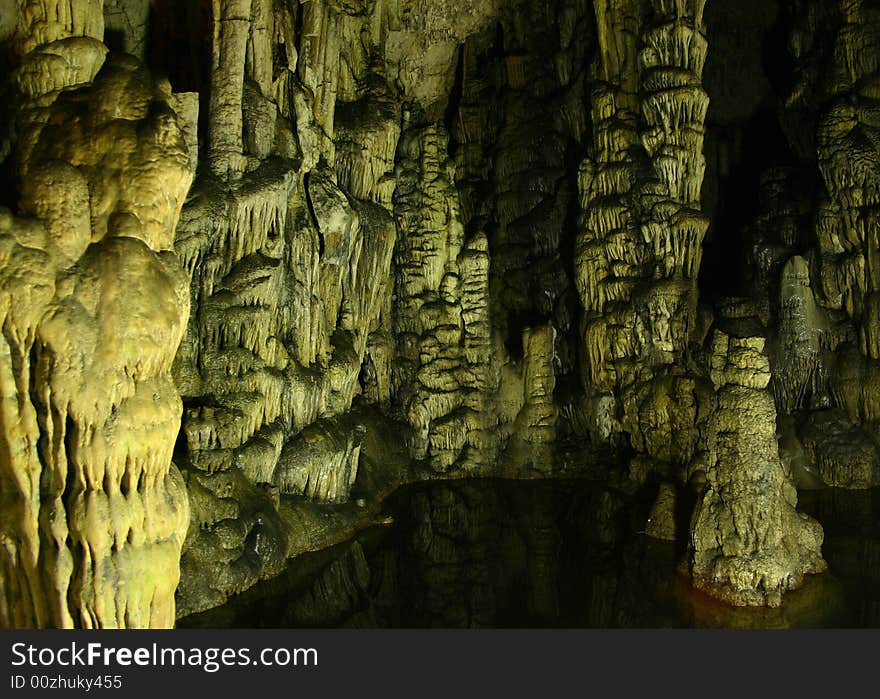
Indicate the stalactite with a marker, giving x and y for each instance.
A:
(428, 239)
(641, 230)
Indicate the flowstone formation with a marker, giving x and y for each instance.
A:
(519, 123)
(334, 285)
(94, 305)
(639, 250)
(443, 372)
(815, 251)
(811, 253)
(349, 244)
(289, 276)
(641, 229)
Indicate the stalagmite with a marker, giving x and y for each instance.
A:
(351, 244)
(749, 543)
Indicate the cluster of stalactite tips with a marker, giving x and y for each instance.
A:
(264, 261)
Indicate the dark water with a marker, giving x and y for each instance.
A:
(515, 554)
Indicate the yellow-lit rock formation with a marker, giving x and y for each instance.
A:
(94, 307)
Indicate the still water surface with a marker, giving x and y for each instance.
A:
(516, 554)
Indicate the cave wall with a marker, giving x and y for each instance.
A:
(376, 241)
(813, 249)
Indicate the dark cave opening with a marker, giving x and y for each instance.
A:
(744, 136)
(115, 39)
(743, 155)
(180, 43)
(180, 47)
(529, 191)
(8, 107)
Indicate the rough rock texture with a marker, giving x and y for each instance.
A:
(289, 243)
(443, 373)
(291, 288)
(287, 287)
(94, 305)
(429, 239)
(661, 522)
(749, 543)
(42, 22)
(640, 231)
(519, 125)
(126, 26)
(813, 246)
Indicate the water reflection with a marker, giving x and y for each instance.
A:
(503, 554)
(852, 548)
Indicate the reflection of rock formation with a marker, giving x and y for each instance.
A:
(852, 548)
(484, 554)
(94, 307)
(507, 554)
(441, 238)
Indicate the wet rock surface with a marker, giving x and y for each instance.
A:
(263, 263)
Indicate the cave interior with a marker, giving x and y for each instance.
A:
(439, 312)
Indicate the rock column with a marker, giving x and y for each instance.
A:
(749, 543)
(93, 307)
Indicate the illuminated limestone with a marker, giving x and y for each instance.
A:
(639, 245)
(41, 22)
(367, 132)
(129, 20)
(289, 247)
(638, 255)
(95, 305)
(231, 28)
(287, 276)
(846, 278)
(796, 357)
(749, 544)
(848, 161)
(442, 372)
(242, 113)
(321, 462)
(475, 223)
(825, 352)
(288, 283)
(337, 158)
